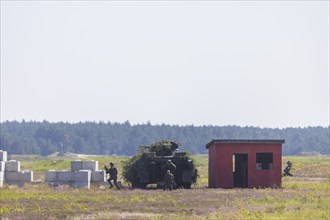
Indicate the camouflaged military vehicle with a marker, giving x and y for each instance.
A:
(149, 166)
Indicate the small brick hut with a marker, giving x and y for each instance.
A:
(245, 163)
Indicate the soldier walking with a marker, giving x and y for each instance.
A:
(112, 171)
(287, 169)
(168, 180)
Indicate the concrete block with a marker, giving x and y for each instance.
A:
(1, 184)
(3, 155)
(26, 176)
(65, 176)
(22, 176)
(90, 165)
(82, 176)
(80, 185)
(98, 176)
(12, 176)
(2, 176)
(13, 166)
(2, 165)
(51, 176)
(76, 165)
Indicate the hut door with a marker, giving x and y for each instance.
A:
(240, 170)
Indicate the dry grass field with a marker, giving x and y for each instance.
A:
(304, 196)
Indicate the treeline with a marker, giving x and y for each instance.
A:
(108, 138)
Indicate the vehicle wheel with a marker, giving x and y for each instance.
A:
(135, 185)
(143, 186)
(186, 185)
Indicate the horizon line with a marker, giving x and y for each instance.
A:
(156, 124)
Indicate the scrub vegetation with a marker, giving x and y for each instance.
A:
(306, 195)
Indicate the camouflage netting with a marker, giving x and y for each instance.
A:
(164, 149)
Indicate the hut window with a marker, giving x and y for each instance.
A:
(264, 161)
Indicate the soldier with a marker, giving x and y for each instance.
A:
(168, 180)
(287, 169)
(112, 171)
(170, 166)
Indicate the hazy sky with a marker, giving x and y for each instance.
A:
(254, 63)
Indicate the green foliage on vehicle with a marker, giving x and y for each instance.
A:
(147, 166)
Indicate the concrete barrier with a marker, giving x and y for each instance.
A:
(2, 176)
(65, 176)
(26, 176)
(22, 176)
(12, 166)
(82, 173)
(2, 166)
(82, 176)
(98, 176)
(51, 176)
(10, 172)
(76, 165)
(12, 176)
(90, 165)
(3, 155)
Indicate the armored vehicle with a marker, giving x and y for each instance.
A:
(149, 166)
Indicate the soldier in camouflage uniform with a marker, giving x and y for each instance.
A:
(170, 166)
(168, 180)
(287, 169)
(112, 171)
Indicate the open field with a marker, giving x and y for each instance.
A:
(306, 195)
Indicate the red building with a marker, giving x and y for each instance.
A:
(245, 163)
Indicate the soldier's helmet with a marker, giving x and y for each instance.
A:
(169, 161)
(111, 164)
(168, 171)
